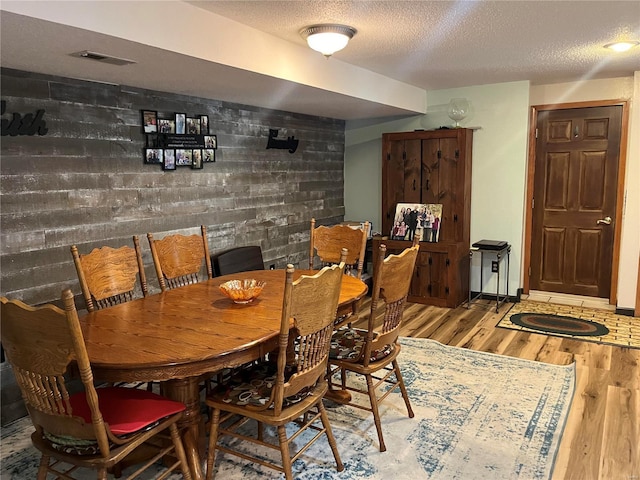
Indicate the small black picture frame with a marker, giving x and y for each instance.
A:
(204, 125)
(181, 123)
(193, 126)
(196, 159)
(183, 157)
(166, 125)
(211, 141)
(169, 162)
(153, 155)
(149, 121)
(208, 155)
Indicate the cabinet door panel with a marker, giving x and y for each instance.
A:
(392, 182)
(449, 195)
(430, 276)
(421, 277)
(412, 177)
(430, 170)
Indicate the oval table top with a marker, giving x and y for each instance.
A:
(191, 330)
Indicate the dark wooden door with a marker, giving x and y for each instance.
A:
(575, 183)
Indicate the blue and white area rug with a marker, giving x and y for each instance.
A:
(477, 416)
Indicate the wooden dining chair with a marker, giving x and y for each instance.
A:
(289, 390)
(373, 352)
(238, 259)
(95, 428)
(327, 243)
(109, 276)
(178, 258)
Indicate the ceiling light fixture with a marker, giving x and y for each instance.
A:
(621, 46)
(328, 38)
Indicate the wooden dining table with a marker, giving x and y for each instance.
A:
(179, 336)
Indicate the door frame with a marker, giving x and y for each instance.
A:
(531, 164)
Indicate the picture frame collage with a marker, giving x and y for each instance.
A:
(178, 141)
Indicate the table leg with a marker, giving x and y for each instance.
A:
(187, 391)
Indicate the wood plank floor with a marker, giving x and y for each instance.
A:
(601, 440)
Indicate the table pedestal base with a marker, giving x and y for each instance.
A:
(187, 391)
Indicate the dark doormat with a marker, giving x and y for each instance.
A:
(578, 323)
(548, 323)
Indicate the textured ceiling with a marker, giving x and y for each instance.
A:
(250, 52)
(444, 44)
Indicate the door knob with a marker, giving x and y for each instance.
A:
(604, 221)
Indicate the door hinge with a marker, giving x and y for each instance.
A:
(536, 133)
(529, 271)
(533, 203)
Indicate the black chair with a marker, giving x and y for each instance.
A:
(238, 259)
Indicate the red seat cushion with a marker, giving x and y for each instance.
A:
(126, 410)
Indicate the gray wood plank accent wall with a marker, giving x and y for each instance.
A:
(85, 182)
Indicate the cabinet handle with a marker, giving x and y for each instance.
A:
(414, 183)
(427, 185)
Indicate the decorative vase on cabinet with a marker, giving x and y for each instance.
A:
(431, 167)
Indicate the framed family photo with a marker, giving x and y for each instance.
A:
(432, 222)
(167, 126)
(183, 157)
(204, 125)
(181, 122)
(150, 121)
(169, 162)
(406, 222)
(208, 155)
(153, 155)
(417, 219)
(196, 159)
(193, 126)
(211, 141)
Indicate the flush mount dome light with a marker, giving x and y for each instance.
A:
(328, 38)
(621, 46)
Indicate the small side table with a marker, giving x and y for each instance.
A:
(501, 250)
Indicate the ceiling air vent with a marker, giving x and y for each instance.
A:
(102, 57)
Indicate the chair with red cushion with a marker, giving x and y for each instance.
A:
(95, 428)
(373, 352)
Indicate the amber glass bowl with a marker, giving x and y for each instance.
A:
(242, 291)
